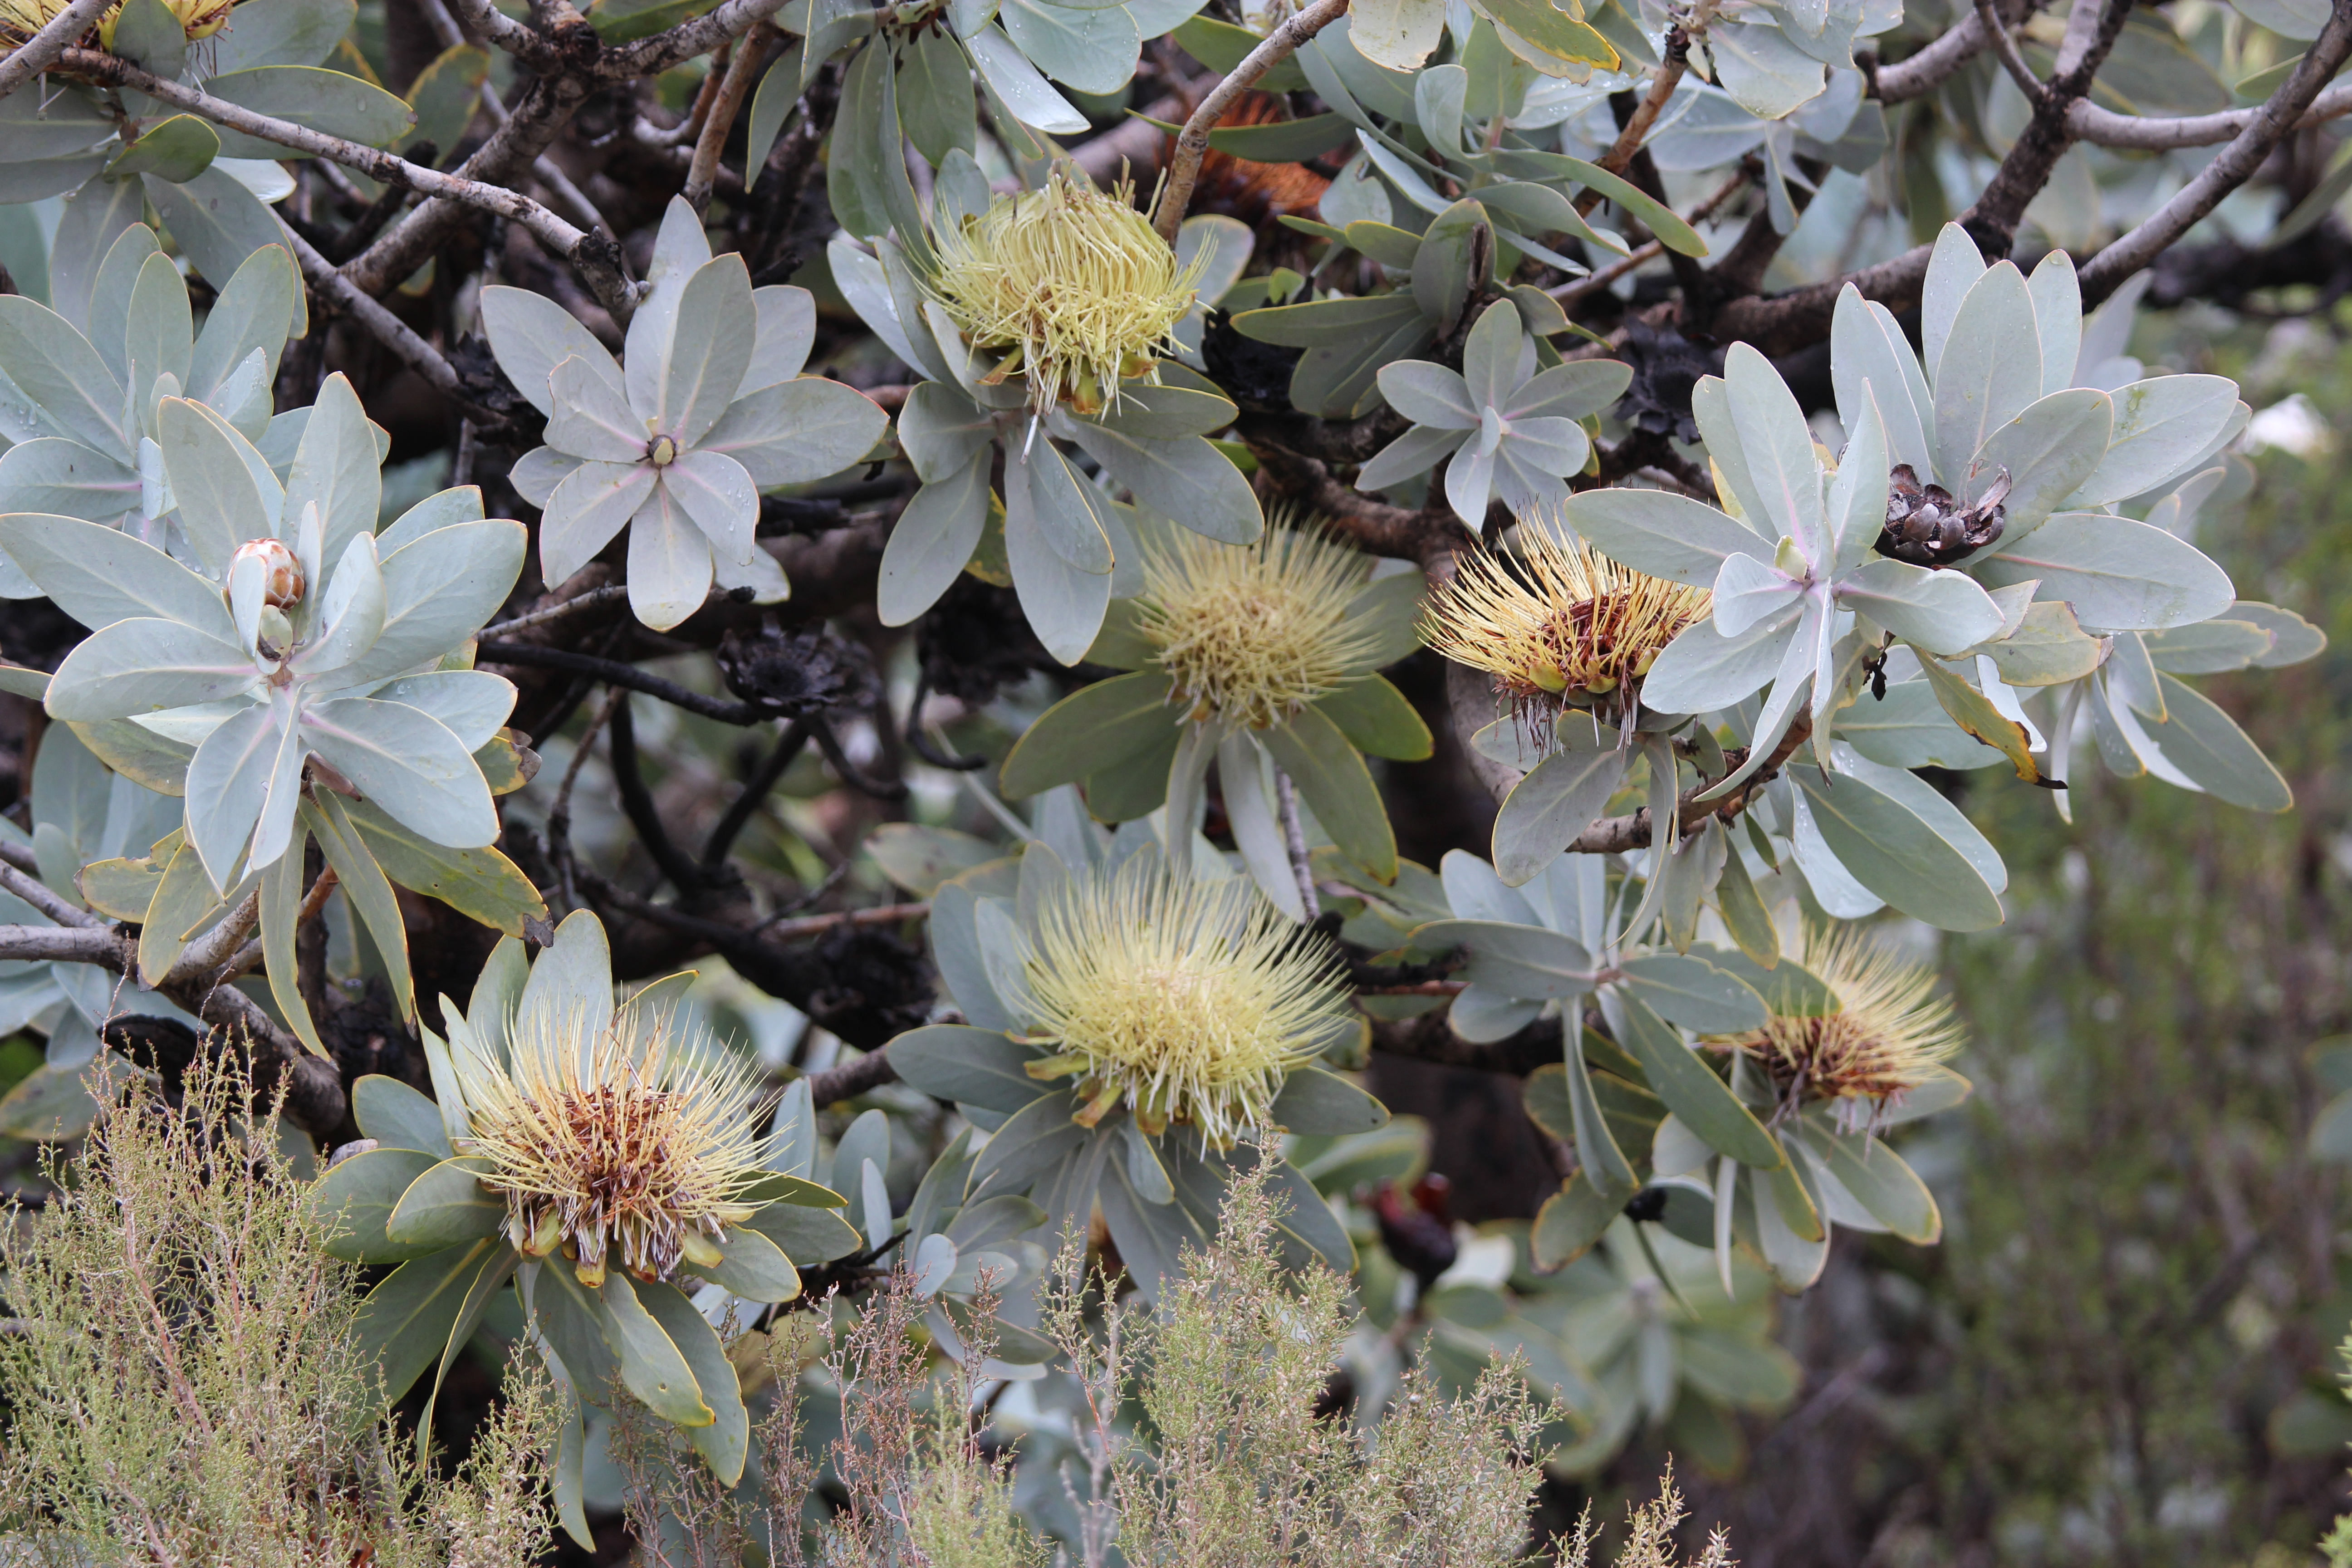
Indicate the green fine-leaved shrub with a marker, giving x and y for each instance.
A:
(181, 1383)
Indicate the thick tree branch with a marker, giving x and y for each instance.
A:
(1184, 167)
(60, 945)
(2233, 167)
(851, 1080)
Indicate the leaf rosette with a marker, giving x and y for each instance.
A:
(676, 443)
(346, 711)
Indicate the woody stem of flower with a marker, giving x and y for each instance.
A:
(1192, 145)
(1662, 90)
(1294, 840)
(751, 53)
(39, 52)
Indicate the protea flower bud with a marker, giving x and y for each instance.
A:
(1569, 623)
(282, 582)
(1067, 287)
(1253, 632)
(1189, 1000)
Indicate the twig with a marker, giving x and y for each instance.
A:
(556, 612)
(1192, 145)
(444, 29)
(250, 956)
(1928, 69)
(1576, 288)
(722, 935)
(751, 53)
(1616, 834)
(202, 958)
(651, 57)
(851, 1080)
(2231, 168)
(617, 673)
(39, 52)
(38, 894)
(2144, 133)
(788, 747)
(1662, 90)
(2006, 48)
(336, 293)
(637, 805)
(851, 774)
(923, 745)
(525, 43)
(20, 856)
(558, 815)
(1294, 842)
(389, 168)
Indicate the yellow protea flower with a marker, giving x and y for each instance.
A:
(1069, 287)
(631, 1141)
(20, 19)
(1890, 1029)
(1253, 632)
(1569, 623)
(1189, 1000)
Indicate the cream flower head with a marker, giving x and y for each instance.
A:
(1068, 286)
(630, 1140)
(1891, 1028)
(1188, 1001)
(1253, 632)
(1569, 623)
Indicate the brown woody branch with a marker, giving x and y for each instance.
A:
(314, 1090)
(1192, 145)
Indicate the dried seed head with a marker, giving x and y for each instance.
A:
(629, 1144)
(1890, 1027)
(282, 582)
(1188, 1001)
(1568, 624)
(1067, 286)
(1253, 632)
